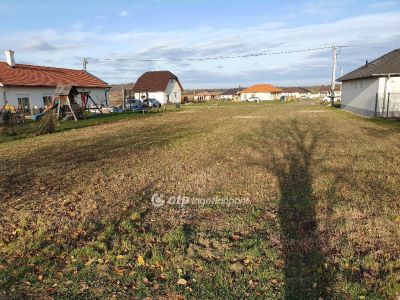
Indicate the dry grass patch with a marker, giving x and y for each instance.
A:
(77, 221)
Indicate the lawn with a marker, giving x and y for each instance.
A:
(321, 218)
(30, 128)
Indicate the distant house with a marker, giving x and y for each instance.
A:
(374, 88)
(323, 91)
(161, 85)
(205, 96)
(30, 87)
(296, 92)
(231, 94)
(326, 90)
(261, 91)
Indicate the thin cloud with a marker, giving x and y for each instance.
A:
(124, 50)
(37, 45)
(124, 13)
(383, 5)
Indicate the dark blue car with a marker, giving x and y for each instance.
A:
(135, 105)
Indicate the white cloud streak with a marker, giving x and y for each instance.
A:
(125, 48)
(124, 13)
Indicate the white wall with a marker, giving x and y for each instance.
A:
(359, 95)
(293, 95)
(389, 93)
(262, 96)
(392, 85)
(36, 94)
(174, 91)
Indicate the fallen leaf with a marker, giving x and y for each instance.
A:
(89, 262)
(140, 260)
(135, 216)
(120, 272)
(236, 267)
(234, 237)
(181, 281)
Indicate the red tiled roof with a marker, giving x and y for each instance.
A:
(262, 88)
(155, 81)
(29, 75)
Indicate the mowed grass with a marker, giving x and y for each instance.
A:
(30, 128)
(323, 220)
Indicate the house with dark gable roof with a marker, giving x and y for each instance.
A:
(29, 87)
(374, 88)
(161, 85)
(231, 94)
(296, 92)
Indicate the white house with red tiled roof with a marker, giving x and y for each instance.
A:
(30, 87)
(260, 92)
(161, 85)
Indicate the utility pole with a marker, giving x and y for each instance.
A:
(85, 62)
(334, 48)
(123, 98)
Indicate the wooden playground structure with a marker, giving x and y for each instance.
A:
(67, 103)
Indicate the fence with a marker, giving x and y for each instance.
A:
(387, 105)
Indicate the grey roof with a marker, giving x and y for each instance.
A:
(232, 91)
(384, 65)
(295, 90)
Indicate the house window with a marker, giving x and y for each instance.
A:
(46, 100)
(175, 94)
(24, 105)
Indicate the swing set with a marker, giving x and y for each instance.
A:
(65, 104)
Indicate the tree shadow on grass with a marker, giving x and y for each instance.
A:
(291, 159)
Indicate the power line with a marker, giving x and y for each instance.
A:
(216, 57)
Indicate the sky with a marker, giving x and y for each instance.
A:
(117, 36)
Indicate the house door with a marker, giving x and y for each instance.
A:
(168, 100)
(24, 105)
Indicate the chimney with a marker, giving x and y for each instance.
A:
(10, 58)
(366, 63)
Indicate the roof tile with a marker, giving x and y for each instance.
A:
(384, 65)
(155, 81)
(262, 88)
(30, 75)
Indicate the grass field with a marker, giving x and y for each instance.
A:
(30, 128)
(323, 220)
